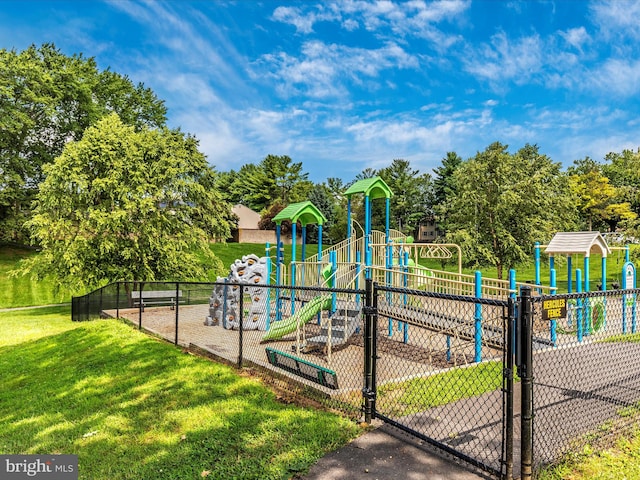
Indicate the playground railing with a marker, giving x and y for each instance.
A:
(345, 250)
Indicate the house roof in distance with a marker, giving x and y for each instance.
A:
(247, 218)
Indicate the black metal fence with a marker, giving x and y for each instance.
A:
(586, 385)
(454, 393)
(440, 367)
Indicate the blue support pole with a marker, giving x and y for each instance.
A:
(569, 275)
(604, 274)
(536, 256)
(405, 325)
(292, 280)
(554, 322)
(279, 260)
(579, 305)
(586, 275)
(349, 229)
(478, 318)
(587, 301)
(387, 214)
(367, 231)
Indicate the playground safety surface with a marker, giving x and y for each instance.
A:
(347, 360)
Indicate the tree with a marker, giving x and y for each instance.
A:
(444, 187)
(335, 228)
(505, 202)
(275, 179)
(596, 198)
(623, 170)
(122, 204)
(411, 201)
(46, 100)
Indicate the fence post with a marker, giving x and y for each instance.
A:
(140, 306)
(370, 316)
(525, 370)
(509, 339)
(177, 308)
(241, 328)
(118, 300)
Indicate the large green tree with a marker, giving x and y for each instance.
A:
(505, 202)
(46, 100)
(127, 204)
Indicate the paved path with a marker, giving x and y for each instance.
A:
(387, 453)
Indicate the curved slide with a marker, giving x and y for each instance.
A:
(306, 313)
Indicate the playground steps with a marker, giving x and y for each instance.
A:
(344, 323)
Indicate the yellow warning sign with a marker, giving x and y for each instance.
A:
(555, 308)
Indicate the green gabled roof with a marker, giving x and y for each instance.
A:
(373, 188)
(305, 212)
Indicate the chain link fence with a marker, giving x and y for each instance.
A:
(586, 384)
(453, 389)
(440, 367)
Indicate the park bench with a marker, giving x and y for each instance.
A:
(155, 297)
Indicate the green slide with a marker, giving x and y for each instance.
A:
(306, 313)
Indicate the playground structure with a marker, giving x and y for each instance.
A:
(391, 258)
(588, 315)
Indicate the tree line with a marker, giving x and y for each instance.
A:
(93, 176)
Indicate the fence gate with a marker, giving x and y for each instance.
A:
(440, 368)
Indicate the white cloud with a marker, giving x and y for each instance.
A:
(620, 77)
(304, 21)
(576, 37)
(384, 18)
(324, 71)
(504, 60)
(617, 18)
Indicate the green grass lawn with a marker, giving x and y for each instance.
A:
(22, 291)
(134, 407)
(620, 462)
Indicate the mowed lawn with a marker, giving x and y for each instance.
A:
(133, 407)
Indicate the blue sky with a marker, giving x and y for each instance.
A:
(348, 84)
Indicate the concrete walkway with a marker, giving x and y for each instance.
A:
(387, 453)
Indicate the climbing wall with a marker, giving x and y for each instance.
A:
(224, 303)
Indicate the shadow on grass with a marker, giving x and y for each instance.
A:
(134, 407)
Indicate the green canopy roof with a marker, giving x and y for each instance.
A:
(373, 188)
(304, 212)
